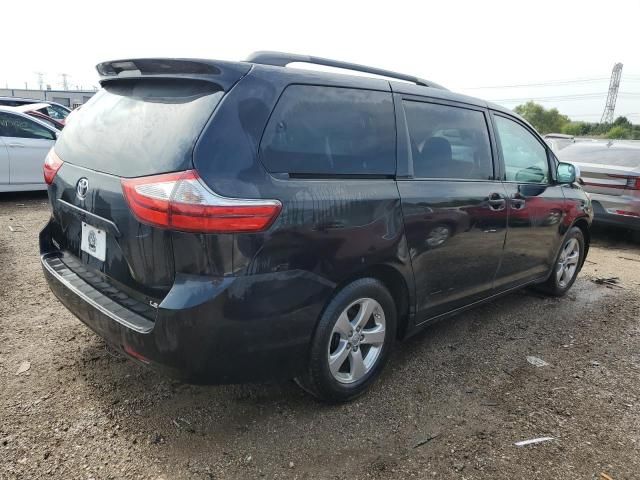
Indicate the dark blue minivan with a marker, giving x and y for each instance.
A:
(246, 221)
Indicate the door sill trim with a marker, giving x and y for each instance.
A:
(441, 316)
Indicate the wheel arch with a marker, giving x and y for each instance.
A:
(583, 225)
(395, 282)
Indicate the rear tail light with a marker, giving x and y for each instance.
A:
(633, 182)
(180, 201)
(52, 164)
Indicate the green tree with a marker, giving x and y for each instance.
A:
(576, 128)
(545, 121)
(619, 132)
(622, 122)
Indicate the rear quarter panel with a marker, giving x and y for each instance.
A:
(328, 229)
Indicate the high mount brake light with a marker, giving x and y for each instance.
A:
(180, 201)
(52, 164)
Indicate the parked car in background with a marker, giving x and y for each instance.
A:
(558, 141)
(243, 221)
(37, 110)
(610, 172)
(24, 143)
(54, 110)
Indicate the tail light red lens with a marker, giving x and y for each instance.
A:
(633, 182)
(180, 201)
(138, 356)
(52, 164)
(627, 213)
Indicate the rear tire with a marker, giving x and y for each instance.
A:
(567, 265)
(352, 342)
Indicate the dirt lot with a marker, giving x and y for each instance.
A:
(451, 404)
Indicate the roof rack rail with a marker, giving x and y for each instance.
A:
(282, 59)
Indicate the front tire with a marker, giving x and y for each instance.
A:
(352, 342)
(567, 265)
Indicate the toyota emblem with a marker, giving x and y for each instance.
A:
(82, 188)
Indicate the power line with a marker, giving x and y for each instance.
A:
(551, 83)
(543, 84)
(577, 96)
(563, 98)
(598, 114)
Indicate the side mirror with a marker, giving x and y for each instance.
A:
(566, 173)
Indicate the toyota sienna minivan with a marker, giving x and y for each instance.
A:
(248, 221)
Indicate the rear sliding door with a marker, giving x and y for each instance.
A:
(454, 208)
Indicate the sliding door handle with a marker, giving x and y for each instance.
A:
(517, 201)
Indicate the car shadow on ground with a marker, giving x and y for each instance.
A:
(22, 196)
(614, 237)
(471, 352)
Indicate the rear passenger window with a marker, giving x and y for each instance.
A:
(448, 142)
(20, 127)
(525, 158)
(330, 131)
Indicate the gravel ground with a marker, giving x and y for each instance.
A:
(451, 403)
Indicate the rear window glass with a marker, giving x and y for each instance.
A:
(448, 142)
(330, 131)
(139, 127)
(602, 153)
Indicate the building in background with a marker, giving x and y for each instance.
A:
(68, 98)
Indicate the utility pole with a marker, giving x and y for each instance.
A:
(614, 84)
(40, 79)
(65, 81)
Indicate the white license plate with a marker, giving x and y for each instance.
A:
(94, 241)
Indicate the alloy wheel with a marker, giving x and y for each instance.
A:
(567, 262)
(356, 340)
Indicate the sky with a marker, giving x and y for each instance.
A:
(466, 46)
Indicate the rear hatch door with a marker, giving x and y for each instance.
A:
(144, 121)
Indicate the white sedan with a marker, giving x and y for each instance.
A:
(24, 143)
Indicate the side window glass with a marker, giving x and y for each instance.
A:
(5, 129)
(448, 142)
(525, 158)
(20, 127)
(55, 112)
(329, 130)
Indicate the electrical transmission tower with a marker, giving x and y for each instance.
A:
(610, 107)
(40, 76)
(65, 81)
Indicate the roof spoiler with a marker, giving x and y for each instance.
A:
(222, 73)
(281, 59)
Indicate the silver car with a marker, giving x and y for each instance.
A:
(24, 143)
(610, 172)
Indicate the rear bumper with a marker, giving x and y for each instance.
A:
(604, 217)
(206, 330)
